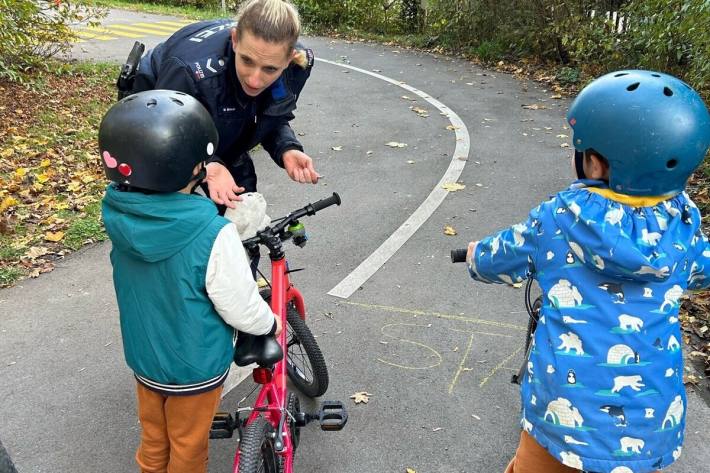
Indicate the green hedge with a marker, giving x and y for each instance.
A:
(33, 31)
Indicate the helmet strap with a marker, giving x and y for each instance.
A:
(201, 176)
(579, 164)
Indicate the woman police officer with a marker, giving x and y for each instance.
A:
(248, 75)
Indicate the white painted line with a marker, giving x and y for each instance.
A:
(367, 268)
(374, 262)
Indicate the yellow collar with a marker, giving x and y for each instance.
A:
(631, 200)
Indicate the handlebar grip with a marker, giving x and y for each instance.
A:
(327, 202)
(459, 255)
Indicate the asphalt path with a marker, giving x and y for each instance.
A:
(435, 350)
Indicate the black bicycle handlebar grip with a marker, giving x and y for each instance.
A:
(459, 255)
(327, 202)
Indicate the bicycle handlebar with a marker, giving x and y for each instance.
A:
(284, 222)
(459, 255)
(327, 202)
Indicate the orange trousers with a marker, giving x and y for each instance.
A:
(532, 458)
(175, 431)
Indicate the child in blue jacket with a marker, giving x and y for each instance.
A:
(613, 255)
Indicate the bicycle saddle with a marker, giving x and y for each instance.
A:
(260, 349)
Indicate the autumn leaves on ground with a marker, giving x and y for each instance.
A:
(51, 182)
(50, 179)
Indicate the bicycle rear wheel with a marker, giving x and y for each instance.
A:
(305, 363)
(256, 449)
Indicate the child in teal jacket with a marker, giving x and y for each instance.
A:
(181, 275)
(612, 254)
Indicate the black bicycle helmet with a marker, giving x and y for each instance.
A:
(152, 140)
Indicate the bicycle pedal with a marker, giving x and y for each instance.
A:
(223, 426)
(332, 415)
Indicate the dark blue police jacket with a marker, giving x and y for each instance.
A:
(199, 60)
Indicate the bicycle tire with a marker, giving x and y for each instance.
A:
(256, 449)
(293, 406)
(6, 465)
(299, 335)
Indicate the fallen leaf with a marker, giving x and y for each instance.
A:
(410, 470)
(54, 236)
(454, 186)
(394, 144)
(556, 96)
(534, 106)
(420, 111)
(436, 429)
(36, 251)
(449, 230)
(452, 127)
(562, 135)
(6, 153)
(564, 145)
(361, 397)
(7, 202)
(337, 148)
(261, 282)
(410, 162)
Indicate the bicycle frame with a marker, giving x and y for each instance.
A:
(271, 400)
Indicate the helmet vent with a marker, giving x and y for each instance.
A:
(621, 74)
(633, 86)
(672, 163)
(177, 101)
(667, 92)
(151, 103)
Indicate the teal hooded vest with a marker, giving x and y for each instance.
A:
(172, 334)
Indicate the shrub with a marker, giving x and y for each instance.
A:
(33, 31)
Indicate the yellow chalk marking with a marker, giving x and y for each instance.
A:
(499, 366)
(439, 315)
(461, 364)
(404, 340)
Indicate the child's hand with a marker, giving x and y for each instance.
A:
(471, 251)
(279, 326)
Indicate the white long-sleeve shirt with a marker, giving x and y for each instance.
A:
(231, 286)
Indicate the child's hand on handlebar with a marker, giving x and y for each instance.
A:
(279, 326)
(471, 251)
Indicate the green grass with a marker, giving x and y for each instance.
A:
(85, 228)
(9, 276)
(206, 13)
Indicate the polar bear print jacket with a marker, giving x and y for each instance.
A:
(609, 318)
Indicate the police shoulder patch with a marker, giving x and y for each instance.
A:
(207, 67)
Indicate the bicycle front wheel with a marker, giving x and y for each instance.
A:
(256, 449)
(305, 363)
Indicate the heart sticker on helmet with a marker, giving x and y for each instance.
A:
(125, 169)
(109, 160)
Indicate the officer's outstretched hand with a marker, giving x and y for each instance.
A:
(223, 189)
(299, 167)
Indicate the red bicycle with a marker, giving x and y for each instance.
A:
(270, 433)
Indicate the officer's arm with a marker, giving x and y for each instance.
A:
(176, 75)
(281, 139)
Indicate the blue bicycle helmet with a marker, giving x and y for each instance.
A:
(653, 129)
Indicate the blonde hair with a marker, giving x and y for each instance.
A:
(275, 21)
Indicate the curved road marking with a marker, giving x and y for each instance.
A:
(379, 257)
